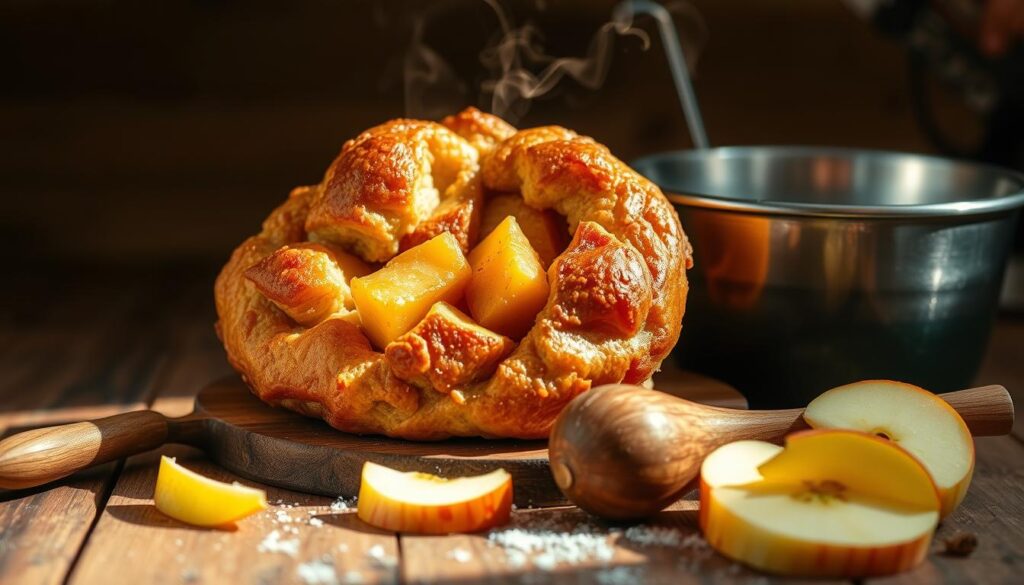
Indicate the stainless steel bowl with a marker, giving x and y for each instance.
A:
(816, 267)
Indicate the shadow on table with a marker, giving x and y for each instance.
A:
(148, 515)
(350, 521)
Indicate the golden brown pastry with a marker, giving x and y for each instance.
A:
(617, 291)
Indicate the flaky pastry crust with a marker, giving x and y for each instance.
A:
(615, 308)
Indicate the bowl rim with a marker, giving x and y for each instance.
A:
(1004, 203)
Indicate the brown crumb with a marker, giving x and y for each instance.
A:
(961, 544)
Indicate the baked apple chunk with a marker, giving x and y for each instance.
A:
(509, 286)
(546, 230)
(446, 351)
(393, 299)
(309, 282)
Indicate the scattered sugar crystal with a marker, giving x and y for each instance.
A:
(694, 541)
(551, 548)
(460, 555)
(546, 561)
(343, 548)
(353, 577)
(179, 541)
(343, 504)
(316, 522)
(619, 576)
(318, 572)
(663, 536)
(272, 543)
(380, 558)
(653, 535)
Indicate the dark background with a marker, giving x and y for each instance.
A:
(151, 132)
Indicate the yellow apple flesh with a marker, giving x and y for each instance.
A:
(194, 499)
(732, 464)
(819, 507)
(394, 299)
(915, 419)
(509, 285)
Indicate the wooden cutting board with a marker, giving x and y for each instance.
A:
(281, 448)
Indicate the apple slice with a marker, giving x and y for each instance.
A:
(917, 420)
(191, 498)
(428, 504)
(732, 464)
(832, 503)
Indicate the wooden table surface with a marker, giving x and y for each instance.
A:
(81, 343)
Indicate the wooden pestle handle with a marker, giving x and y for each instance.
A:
(626, 452)
(987, 410)
(43, 455)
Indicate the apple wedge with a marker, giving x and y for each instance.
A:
(915, 419)
(509, 285)
(193, 499)
(832, 503)
(428, 504)
(394, 299)
(730, 465)
(546, 230)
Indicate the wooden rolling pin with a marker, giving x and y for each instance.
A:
(625, 452)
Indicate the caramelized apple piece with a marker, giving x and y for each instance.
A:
(446, 350)
(602, 284)
(307, 281)
(393, 299)
(546, 230)
(509, 285)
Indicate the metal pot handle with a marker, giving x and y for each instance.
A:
(676, 62)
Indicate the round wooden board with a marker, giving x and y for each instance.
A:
(281, 448)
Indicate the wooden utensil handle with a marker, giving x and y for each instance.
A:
(42, 455)
(987, 410)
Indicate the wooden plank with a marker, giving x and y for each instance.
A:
(329, 545)
(41, 530)
(992, 511)
(88, 350)
(567, 546)
(135, 543)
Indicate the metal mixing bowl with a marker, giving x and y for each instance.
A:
(815, 267)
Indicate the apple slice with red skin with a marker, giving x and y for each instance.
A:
(915, 419)
(428, 504)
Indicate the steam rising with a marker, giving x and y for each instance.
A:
(519, 69)
(431, 85)
(519, 49)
